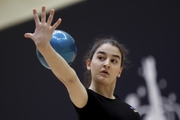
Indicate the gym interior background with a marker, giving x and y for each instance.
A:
(150, 30)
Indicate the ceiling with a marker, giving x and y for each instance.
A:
(13, 12)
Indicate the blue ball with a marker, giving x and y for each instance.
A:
(63, 44)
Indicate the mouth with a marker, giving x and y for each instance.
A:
(104, 72)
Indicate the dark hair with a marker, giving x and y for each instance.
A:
(97, 43)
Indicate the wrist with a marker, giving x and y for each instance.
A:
(43, 47)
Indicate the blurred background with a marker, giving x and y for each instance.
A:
(149, 29)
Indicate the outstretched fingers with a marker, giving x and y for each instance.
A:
(56, 24)
(50, 18)
(43, 14)
(28, 35)
(42, 25)
(36, 17)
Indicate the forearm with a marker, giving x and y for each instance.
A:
(57, 64)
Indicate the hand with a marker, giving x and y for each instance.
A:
(43, 31)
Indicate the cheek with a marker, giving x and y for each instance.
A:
(95, 67)
(116, 71)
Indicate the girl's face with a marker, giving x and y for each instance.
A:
(105, 65)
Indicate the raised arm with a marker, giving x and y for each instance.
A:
(60, 68)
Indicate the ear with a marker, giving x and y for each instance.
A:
(88, 64)
(120, 71)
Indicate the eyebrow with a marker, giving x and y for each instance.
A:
(102, 52)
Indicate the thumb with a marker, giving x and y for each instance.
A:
(28, 35)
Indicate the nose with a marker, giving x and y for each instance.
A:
(106, 63)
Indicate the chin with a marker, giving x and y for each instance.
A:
(104, 81)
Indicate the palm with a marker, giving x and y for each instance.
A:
(42, 34)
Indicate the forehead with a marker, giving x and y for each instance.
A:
(109, 49)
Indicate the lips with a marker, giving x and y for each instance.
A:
(104, 72)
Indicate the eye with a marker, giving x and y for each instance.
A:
(101, 58)
(114, 61)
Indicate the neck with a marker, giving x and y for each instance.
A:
(104, 90)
